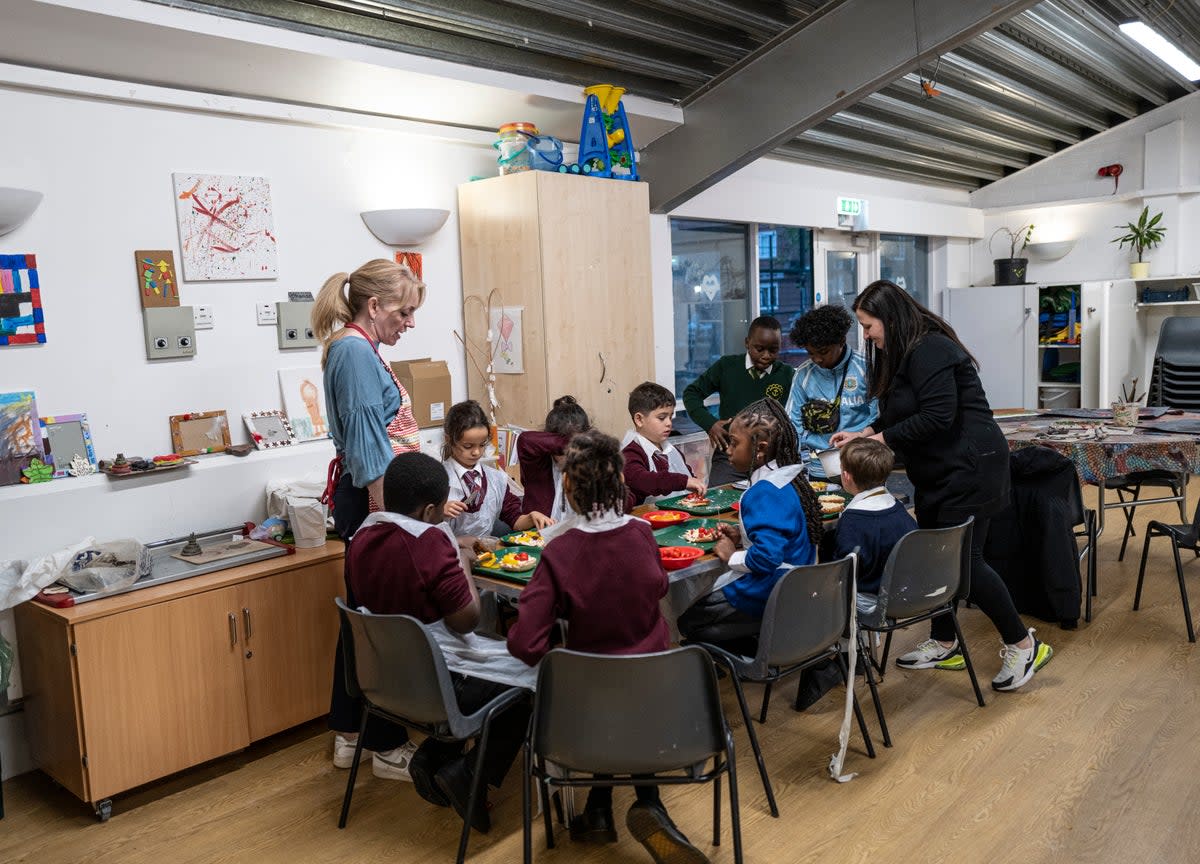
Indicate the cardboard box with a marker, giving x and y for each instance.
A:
(428, 384)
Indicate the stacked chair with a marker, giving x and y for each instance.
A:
(1174, 382)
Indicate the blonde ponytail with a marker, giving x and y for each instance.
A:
(344, 294)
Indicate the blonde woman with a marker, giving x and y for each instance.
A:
(370, 420)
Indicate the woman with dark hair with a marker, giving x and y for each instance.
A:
(829, 390)
(933, 411)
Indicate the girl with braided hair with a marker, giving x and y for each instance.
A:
(780, 521)
(600, 572)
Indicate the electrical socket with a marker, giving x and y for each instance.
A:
(266, 312)
(202, 317)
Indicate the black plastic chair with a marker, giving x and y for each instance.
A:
(926, 572)
(642, 719)
(1084, 522)
(805, 617)
(1181, 537)
(396, 667)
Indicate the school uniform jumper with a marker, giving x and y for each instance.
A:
(397, 565)
(873, 522)
(737, 386)
(811, 381)
(936, 416)
(776, 536)
(539, 475)
(651, 473)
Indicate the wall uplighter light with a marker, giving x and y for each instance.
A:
(16, 205)
(405, 227)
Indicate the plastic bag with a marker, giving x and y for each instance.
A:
(20, 581)
(107, 567)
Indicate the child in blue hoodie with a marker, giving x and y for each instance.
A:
(780, 523)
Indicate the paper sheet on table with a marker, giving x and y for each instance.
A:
(482, 657)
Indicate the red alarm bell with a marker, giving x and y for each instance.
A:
(1113, 171)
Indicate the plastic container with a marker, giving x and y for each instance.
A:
(1059, 397)
(512, 147)
(545, 153)
(831, 462)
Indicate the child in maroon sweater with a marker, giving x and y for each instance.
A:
(577, 581)
(653, 468)
(404, 561)
(540, 456)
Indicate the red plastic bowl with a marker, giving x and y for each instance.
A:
(663, 518)
(678, 557)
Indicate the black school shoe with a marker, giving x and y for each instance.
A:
(653, 828)
(594, 826)
(422, 768)
(454, 780)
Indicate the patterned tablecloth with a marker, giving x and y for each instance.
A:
(1116, 454)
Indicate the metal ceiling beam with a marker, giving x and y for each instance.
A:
(904, 111)
(855, 121)
(897, 152)
(832, 157)
(802, 77)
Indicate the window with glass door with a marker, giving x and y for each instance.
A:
(785, 279)
(904, 260)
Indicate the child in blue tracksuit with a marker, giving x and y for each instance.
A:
(780, 524)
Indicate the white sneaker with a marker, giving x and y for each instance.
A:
(393, 764)
(1020, 663)
(343, 750)
(932, 654)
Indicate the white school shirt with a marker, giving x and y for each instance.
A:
(479, 523)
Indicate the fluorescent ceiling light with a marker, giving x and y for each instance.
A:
(1157, 44)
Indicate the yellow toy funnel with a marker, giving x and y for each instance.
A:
(609, 96)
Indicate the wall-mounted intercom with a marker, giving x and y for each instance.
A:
(295, 325)
(170, 332)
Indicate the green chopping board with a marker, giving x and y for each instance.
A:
(841, 493)
(672, 535)
(499, 573)
(722, 501)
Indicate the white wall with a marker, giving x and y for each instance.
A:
(1065, 199)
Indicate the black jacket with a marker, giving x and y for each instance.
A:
(936, 416)
(1031, 544)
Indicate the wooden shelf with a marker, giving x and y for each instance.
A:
(1065, 385)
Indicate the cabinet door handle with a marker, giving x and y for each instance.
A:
(1028, 310)
(232, 630)
(1091, 310)
(603, 367)
(246, 622)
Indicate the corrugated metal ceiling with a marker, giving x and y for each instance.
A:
(1041, 81)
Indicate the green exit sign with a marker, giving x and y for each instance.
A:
(849, 206)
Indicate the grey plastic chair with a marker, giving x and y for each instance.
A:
(805, 617)
(1182, 537)
(644, 719)
(396, 667)
(926, 573)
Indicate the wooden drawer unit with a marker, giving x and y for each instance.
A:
(126, 690)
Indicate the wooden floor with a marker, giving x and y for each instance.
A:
(1095, 761)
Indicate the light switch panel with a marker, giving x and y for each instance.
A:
(295, 325)
(170, 332)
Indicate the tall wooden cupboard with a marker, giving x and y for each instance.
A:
(573, 253)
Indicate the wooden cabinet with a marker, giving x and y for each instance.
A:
(1016, 353)
(132, 688)
(574, 254)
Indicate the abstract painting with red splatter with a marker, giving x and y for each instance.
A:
(226, 229)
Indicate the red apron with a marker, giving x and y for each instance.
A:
(402, 432)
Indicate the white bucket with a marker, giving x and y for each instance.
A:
(831, 462)
(306, 516)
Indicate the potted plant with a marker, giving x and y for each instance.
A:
(1141, 235)
(1012, 270)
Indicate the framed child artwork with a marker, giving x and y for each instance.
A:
(66, 438)
(199, 432)
(20, 435)
(269, 429)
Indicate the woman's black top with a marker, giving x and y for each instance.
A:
(936, 416)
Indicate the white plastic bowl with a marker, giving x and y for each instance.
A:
(831, 462)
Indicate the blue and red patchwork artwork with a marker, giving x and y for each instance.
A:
(21, 320)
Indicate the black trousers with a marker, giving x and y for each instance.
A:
(504, 740)
(722, 472)
(988, 590)
(350, 508)
(714, 619)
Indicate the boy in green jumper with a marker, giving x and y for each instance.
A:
(739, 380)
